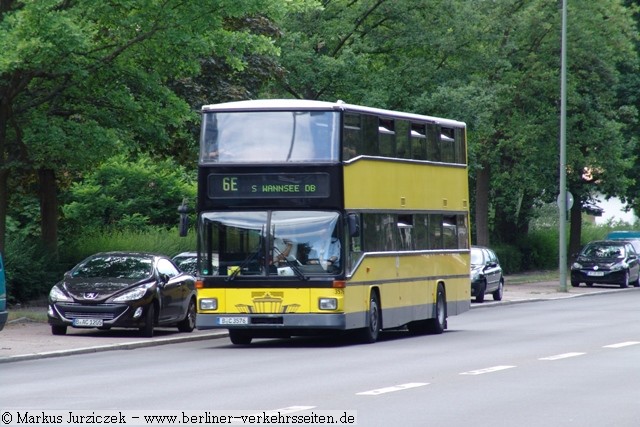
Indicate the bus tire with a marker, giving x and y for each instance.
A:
(438, 324)
(240, 337)
(369, 334)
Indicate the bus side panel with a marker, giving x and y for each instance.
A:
(407, 284)
(379, 184)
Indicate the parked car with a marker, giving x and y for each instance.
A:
(123, 290)
(187, 262)
(4, 314)
(486, 274)
(613, 262)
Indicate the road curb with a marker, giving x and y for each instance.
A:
(116, 346)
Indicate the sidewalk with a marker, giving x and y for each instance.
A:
(24, 340)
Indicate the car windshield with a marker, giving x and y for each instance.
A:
(188, 264)
(115, 266)
(604, 251)
(476, 257)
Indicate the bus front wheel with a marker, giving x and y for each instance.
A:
(240, 337)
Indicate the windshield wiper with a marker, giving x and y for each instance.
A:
(291, 264)
(246, 262)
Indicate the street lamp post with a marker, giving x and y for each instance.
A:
(562, 198)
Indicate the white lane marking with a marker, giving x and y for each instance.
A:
(561, 356)
(487, 370)
(391, 389)
(622, 344)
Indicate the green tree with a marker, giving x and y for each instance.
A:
(104, 198)
(82, 80)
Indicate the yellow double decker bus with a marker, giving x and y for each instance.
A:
(318, 217)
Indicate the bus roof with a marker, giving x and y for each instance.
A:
(310, 105)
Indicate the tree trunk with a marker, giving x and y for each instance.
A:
(48, 209)
(482, 206)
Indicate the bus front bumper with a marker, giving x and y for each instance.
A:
(337, 321)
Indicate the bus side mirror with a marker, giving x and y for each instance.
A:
(183, 210)
(354, 224)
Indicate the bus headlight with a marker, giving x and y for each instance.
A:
(209, 304)
(328, 304)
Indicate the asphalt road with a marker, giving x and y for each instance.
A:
(562, 362)
(23, 340)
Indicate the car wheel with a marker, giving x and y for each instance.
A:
(438, 324)
(481, 290)
(149, 320)
(575, 284)
(636, 283)
(58, 330)
(188, 324)
(497, 294)
(239, 337)
(370, 334)
(625, 280)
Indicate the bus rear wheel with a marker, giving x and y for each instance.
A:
(438, 324)
(370, 333)
(239, 337)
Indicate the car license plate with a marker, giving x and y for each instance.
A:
(233, 320)
(94, 323)
(595, 273)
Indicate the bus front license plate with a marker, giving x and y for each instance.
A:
(233, 320)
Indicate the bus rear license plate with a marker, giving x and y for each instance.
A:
(233, 320)
(596, 273)
(93, 323)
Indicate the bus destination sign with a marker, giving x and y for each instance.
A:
(269, 185)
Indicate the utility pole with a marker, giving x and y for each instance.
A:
(562, 197)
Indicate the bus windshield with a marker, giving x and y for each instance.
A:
(268, 243)
(272, 137)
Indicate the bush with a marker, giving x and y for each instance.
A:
(30, 269)
(510, 258)
(155, 239)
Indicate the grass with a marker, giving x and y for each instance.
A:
(534, 277)
(30, 314)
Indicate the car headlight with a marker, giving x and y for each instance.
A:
(576, 266)
(619, 266)
(133, 294)
(56, 294)
(475, 275)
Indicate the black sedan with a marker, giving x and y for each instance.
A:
(486, 274)
(612, 262)
(123, 290)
